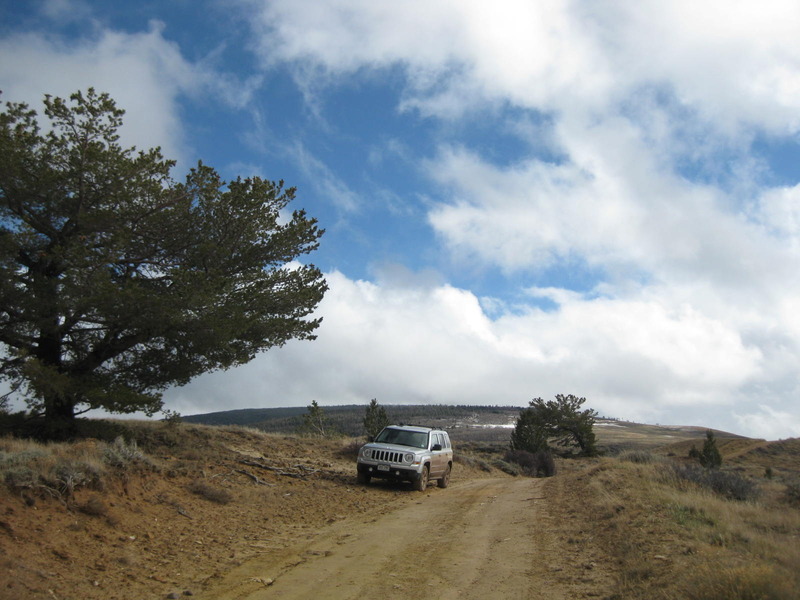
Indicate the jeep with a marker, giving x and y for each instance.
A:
(407, 453)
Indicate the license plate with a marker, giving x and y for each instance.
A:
(383, 467)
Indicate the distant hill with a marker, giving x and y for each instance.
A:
(466, 423)
(348, 419)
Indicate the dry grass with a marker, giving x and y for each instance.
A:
(59, 469)
(662, 529)
(758, 582)
(55, 470)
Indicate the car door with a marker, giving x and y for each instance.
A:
(438, 457)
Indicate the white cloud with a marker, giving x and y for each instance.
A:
(406, 341)
(634, 90)
(697, 288)
(735, 63)
(779, 211)
(145, 73)
(769, 423)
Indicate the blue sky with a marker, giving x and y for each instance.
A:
(521, 198)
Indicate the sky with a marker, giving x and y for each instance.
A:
(521, 198)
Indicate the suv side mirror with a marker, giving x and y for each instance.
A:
(436, 448)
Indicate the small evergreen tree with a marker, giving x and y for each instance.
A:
(710, 457)
(375, 419)
(530, 433)
(315, 422)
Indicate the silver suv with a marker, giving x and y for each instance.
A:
(410, 453)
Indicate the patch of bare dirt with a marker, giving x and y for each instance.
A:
(480, 538)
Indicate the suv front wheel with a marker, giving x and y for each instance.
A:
(422, 483)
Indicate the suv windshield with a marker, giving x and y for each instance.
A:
(415, 439)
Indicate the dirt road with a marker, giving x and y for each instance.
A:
(484, 538)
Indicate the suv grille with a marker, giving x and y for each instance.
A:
(387, 456)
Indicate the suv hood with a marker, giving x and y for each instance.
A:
(393, 447)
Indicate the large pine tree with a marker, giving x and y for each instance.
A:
(117, 281)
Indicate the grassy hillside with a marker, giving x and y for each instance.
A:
(479, 424)
(489, 424)
(680, 532)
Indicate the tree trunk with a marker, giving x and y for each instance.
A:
(59, 418)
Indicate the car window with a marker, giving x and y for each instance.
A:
(415, 439)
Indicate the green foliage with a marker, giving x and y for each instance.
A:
(375, 419)
(709, 456)
(316, 422)
(122, 454)
(561, 420)
(172, 418)
(530, 432)
(116, 281)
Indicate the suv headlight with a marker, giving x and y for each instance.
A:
(366, 453)
(408, 458)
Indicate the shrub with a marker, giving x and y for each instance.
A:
(471, 461)
(121, 454)
(350, 449)
(19, 477)
(214, 494)
(70, 475)
(533, 464)
(792, 493)
(507, 467)
(19, 466)
(56, 470)
(726, 484)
